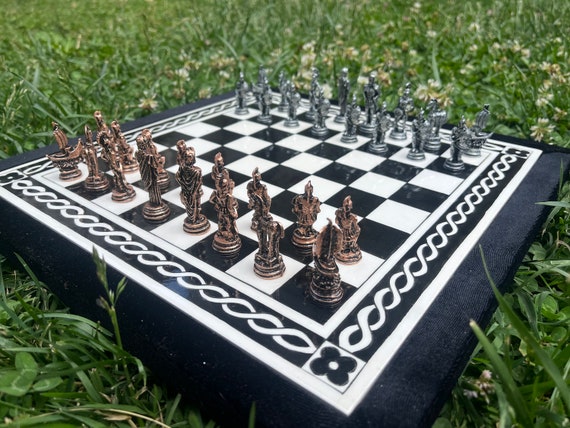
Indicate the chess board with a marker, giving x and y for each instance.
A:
(400, 335)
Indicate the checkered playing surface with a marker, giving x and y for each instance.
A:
(392, 195)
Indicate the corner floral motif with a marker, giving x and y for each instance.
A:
(334, 366)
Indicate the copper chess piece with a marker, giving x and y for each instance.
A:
(67, 159)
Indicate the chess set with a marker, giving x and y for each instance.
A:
(316, 260)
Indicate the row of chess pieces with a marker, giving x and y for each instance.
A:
(374, 122)
(332, 243)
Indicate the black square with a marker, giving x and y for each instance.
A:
(378, 239)
(418, 197)
(295, 294)
(271, 135)
(438, 165)
(340, 173)
(397, 170)
(392, 150)
(222, 121)
(308, 133)
(229, 155)
(281, 205)
(284, 176)
(203, 250)
(222, 136)
(276, 153)
(363, 203)
(171, 138)
(328, 151)
(135, 216)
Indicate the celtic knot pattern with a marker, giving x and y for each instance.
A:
(403, 281)
(262, 323)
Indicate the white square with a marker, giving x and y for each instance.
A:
(399, 216)
(173, 197)
(327, 213)
(358, 273)
(402, 157)
(198, 129)
(399, 143)
(335, 126)
(322, 188)
(293, 130)
(299, 143)
(244, 272)
(248, 145)
(247, 164)
(275, 111)
(469, 160)
(378, 184)
(436, 181)
(307, 162)
(53, 176)
(202, 146)
(117, 207)
(245, 127)
(252, 112)
(336, 140)
(361, 160)
(173, 232)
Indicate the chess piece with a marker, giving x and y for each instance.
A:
(283, 88)
(125, 151)
(268, 262)
(217, 169)
(264, 97)
(163, 178)
(378, 144)
(322, 106)
(460, 136)
(155, 209)
(479, 138)
(325, 287)
(122, 190)
(313, 93)
(306, 206)
(371, 95)
(102, 127)
(436, 118)
(401, 112)
(226, 239)
(261, 79)
(242, 88)
(348, 223)
(293, 101)
(351, 124)
(343, 91)
(259, 199)
(420, 132)
(189, 176)
(96, 181)
(67, 159)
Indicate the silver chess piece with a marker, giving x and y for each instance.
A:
(383, 122)
(242, 89)
(343, 91)
(371, 95)
(351, 124)
(436, 118)
(401, 112)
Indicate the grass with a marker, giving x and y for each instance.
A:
(63, 60)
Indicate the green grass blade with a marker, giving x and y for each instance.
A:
(513, 394)
(525, 334)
